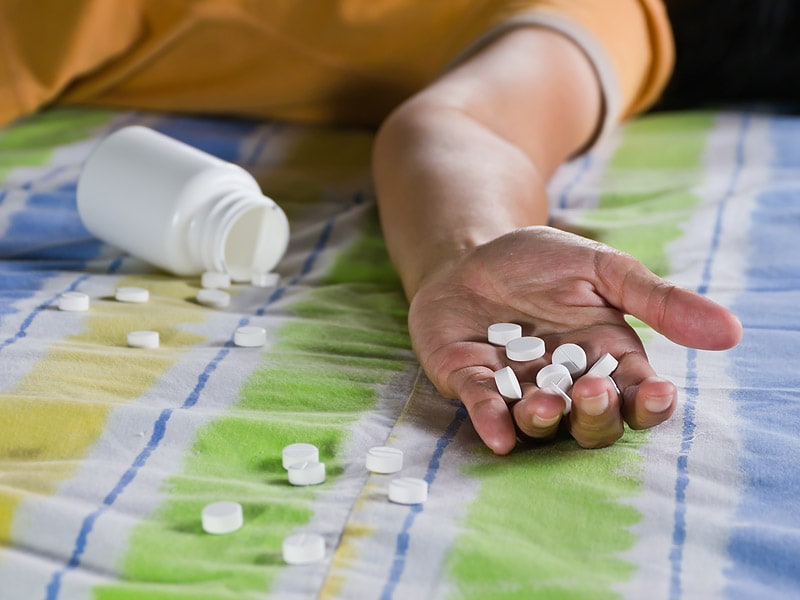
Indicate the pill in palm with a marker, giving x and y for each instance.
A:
(555, 388)
(554, 374)
(408, 490)
(507, 383)
(136, 295)
(502, 333)
(383, 459)
(604, 366)
(303, 548)
(306, 473)
(299, 452)
(571, 356)
(73, 301)
(143, 339)
(222, 517)
(525, 348)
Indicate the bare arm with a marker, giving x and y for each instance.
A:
(460, 171)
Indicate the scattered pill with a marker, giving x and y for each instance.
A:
(525, 348)
(408, 490)
(554, 374)
(132, 294)
(250, 336)
(604, 366)
(214, 280)
(383, 459)
(306, 473)
(214, 298)
(502, 333)
(222, 517)
(73, 301)
(143, 339)
(300, 452)
(507, 383)
(571, 356)
(303, 548)
(265, 280)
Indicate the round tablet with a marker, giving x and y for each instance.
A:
(502, 333)
(132, 294)
(306, 473)
(507, 383)
(214, 280)
(383, 459)
(265, 280)
(73, 301)
(604, 366)
(222, 517)
(250, 336)
(214, 298)
(525, 348)
(408, 490)
(556, 374)
(300, 452)
(143, 339)
(571, 356)
(303, 548)
(556, 389)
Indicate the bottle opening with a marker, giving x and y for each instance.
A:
(256, 242)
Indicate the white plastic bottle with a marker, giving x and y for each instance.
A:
(179, 208)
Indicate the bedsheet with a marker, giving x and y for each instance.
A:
(109, 453)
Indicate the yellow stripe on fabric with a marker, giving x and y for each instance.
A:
(50, 421)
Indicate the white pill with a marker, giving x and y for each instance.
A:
(408, 490)
(143, 339)
(300, 452)
(571, 356)
(73, 301)
(132, 294)
(383, 459)
(554, 374)
(525, 348)
(306, 473)
(250, 336)
(557, 389)
(507, 383)
(502, 333)
(214, 280)
(214, 298)
(222, 517)
(604, 366)
(303, 549)
(265, 280)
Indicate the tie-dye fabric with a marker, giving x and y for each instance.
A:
(109, 453)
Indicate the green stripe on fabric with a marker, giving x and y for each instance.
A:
(552, 522)
(317, 379)
(32, 143)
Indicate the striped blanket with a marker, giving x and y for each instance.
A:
(108, 453)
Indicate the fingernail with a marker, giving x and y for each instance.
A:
(657, 404)
(595, 406)
(543, 423)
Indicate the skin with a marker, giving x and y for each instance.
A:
(461, 172)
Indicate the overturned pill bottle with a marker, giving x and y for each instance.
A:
(179, 208)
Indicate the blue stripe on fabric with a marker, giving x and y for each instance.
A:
(404, 537)
(764, 545)
(159, 429)
(692, 390)
(583, 168)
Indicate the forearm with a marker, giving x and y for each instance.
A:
(468, 159)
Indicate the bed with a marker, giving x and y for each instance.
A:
(108, 454)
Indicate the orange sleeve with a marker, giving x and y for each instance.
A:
(44, 46)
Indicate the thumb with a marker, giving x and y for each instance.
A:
(681, 315)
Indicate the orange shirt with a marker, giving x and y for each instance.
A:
(347, 61)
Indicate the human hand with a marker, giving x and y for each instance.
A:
(561, 288)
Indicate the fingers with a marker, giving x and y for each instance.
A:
(686, 318)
